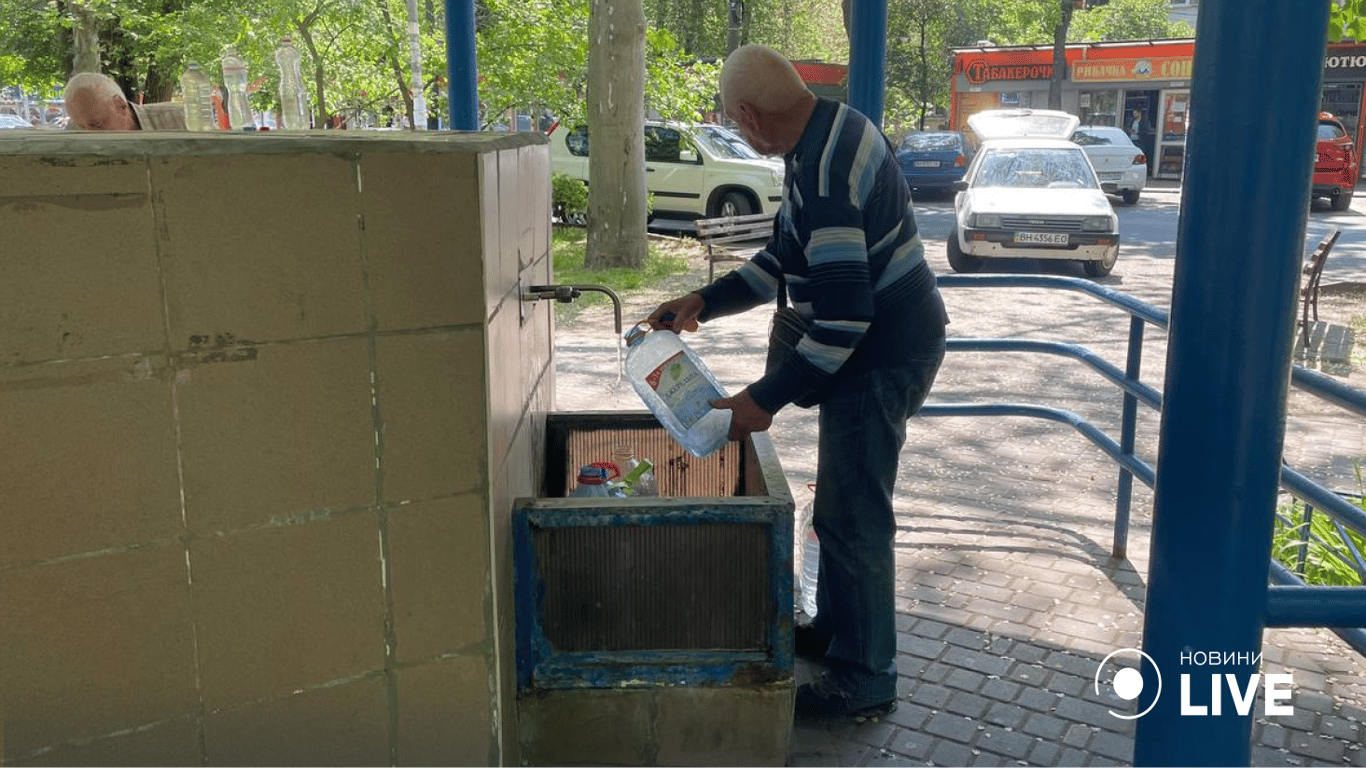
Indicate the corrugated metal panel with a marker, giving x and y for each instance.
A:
(655, 587)
(678, 472)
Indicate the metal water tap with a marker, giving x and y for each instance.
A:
(567, 293)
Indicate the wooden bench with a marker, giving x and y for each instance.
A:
(724, 237)
(1313, 272)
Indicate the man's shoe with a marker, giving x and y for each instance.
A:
(823, 700)
(806, 644)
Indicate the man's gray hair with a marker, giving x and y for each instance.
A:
(763, 77)
(96, 84)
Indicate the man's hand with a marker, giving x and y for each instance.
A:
(746, 415)
(685, 310)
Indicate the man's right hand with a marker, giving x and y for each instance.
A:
(685, 311)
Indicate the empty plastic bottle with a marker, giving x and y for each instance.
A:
(638, 474)
(592, 481)
(293, 104)
(809, 557)
(677, 387)
(235, 84)
(198, 99)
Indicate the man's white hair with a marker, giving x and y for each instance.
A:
(96, 84)
(761, 76)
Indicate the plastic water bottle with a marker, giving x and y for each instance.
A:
(198, 99)
(639, 478)
(592, 481)
(677, 387)
(808, 557)
(235, 83)
(293, 105)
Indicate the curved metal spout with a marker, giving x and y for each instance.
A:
(567, 293)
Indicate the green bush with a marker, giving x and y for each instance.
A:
(568, 198)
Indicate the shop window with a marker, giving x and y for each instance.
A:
(1098, 107)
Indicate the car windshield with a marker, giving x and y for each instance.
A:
(1100, 136)
(1035, 168)
(1330, 131)
(931, 142)
(725, 143)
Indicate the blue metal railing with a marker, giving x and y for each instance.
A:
(1290, 602)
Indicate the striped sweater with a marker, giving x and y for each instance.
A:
(846, 244)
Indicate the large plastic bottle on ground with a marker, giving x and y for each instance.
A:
(235, 84)
(293, 105)
(809, 560)
(198, 99)
(677, 388)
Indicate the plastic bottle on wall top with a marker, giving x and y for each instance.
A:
(677, 388)
(198, 99)
(235, 83)
(293, 104)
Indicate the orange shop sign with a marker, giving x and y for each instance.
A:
(979, 71)
(1110, 70)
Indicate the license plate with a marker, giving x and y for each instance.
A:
(1110, 176)
(926, 163)
(1041, 238)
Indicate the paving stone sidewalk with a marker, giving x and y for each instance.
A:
(1008, 597)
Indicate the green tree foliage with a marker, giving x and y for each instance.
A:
(1346, 20)
(1128, 20)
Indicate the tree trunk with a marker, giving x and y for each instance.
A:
(616, 130)
(924, 73)
(85, 33)
(392, 59)
(1059, 55)
(319, 80)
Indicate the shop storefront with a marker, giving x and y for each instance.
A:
(1141, 86)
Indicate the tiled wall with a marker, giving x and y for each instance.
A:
(265, 402)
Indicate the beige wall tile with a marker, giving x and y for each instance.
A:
(285, 608)
(262, 247)
(95, 645)
(495, 281)
(287, 432)
(172, 743)
(422, 235)
(432, 404)
(445, 714)
(507, 395)
(73, 175)
(80, 276)
(341, 725)
(439, 575)
(88, 456)
(535, 162)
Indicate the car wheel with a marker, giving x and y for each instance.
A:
(1342, 200)
(734, 204)
(1102, 267)
(959, 261)
(1130, 196)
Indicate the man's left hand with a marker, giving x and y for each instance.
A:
(746, 415)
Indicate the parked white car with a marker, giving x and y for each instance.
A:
(1120, 164)
(694, 171)
(1031, 193)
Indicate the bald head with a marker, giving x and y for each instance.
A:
(96, 103)
(758, 75)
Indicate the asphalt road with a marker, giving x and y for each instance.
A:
(1149, 228)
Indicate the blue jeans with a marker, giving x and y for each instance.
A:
(862, 430)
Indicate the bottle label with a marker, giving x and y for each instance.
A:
(683, 388)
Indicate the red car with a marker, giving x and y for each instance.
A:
(1338, 164)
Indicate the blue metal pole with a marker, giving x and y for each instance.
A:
(462, 69)
(867, 55)
(1127, 429)
(1250, 152)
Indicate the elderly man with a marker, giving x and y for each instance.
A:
(94, 102)
(846, 252)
